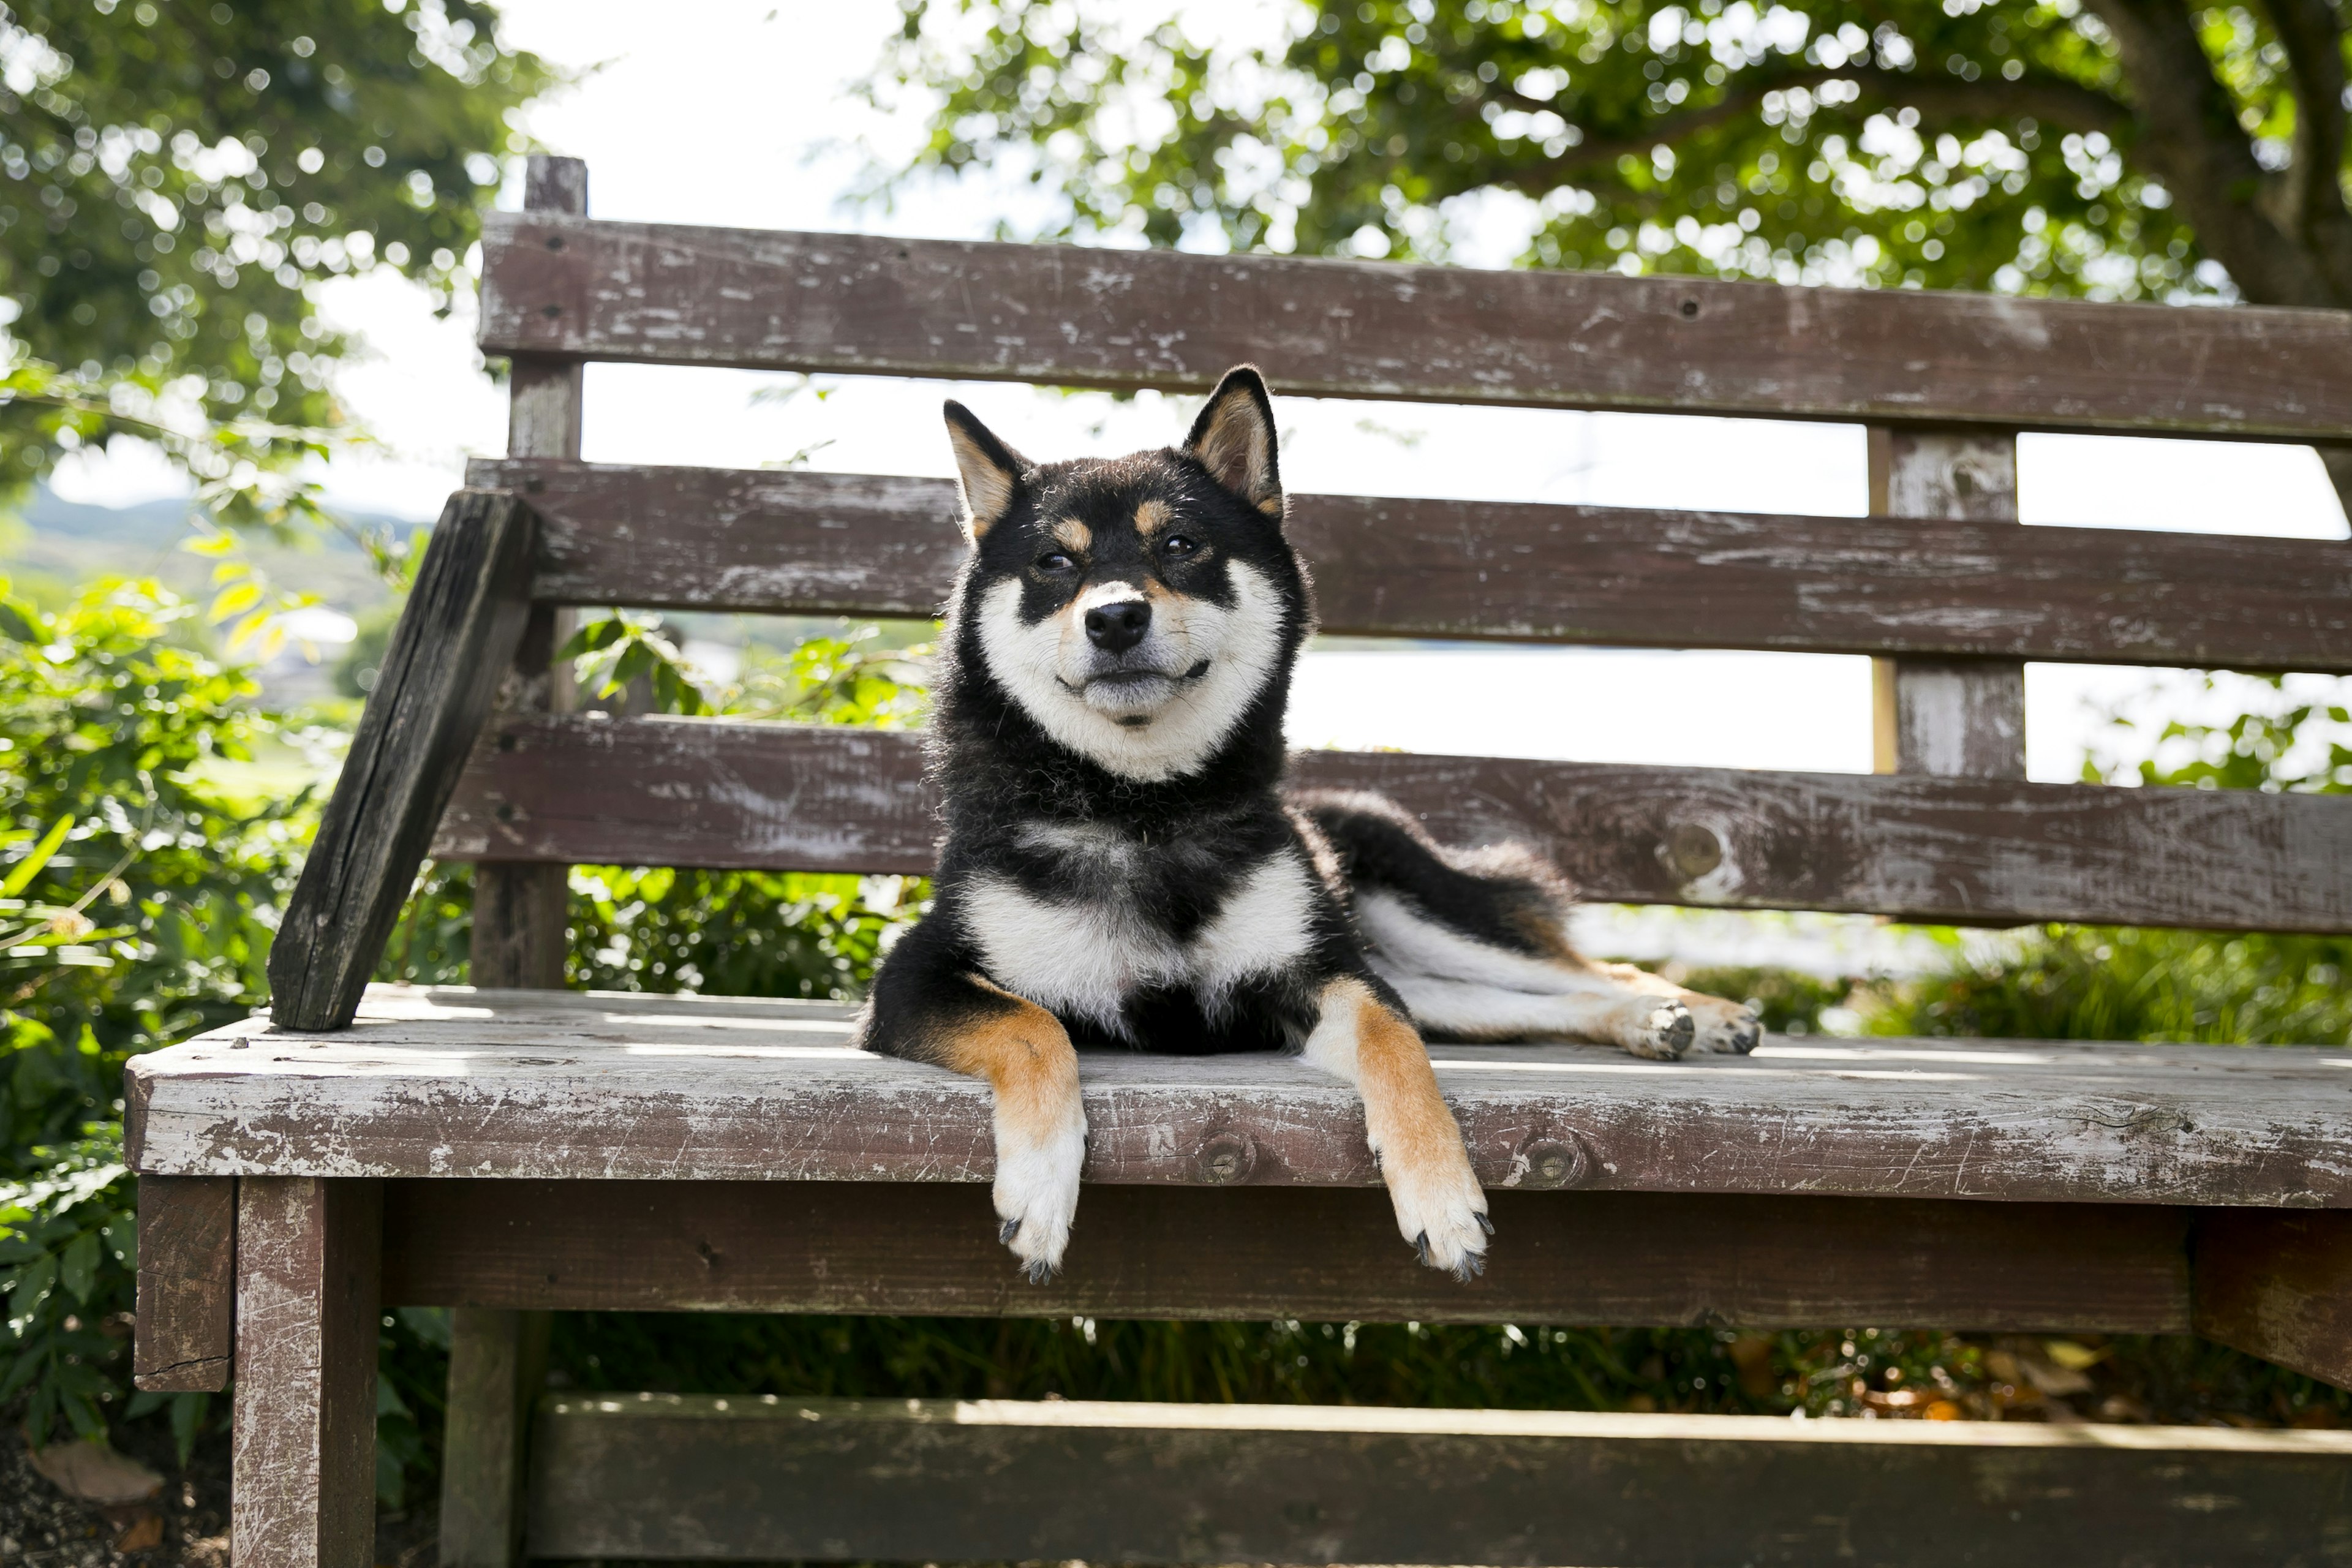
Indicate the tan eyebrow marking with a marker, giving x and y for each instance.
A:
(1073, 535)
(1152, 516)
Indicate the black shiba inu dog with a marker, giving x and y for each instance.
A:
(1122, 867)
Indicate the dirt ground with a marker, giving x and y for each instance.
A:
(185, 1526)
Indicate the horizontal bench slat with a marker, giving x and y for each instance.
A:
(522, 1084)
(626, 1476)
(1633, 1259)
(1072, 316)
(721, 794)
(808, 543)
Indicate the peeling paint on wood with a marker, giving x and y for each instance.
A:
(657, 791)
(671, 294)
(793, 542)
(511, 1084)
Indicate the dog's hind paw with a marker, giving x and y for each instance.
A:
(1731, 1028)
(1661, 1030)
(1037, 1189)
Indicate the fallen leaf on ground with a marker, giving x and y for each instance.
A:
(142, 1534)
(94, 1472)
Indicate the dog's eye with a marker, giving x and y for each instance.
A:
(1054, 560)
(1177, 546)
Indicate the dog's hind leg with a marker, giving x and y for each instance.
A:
(928, 1007)
(1440, 1207)
(1476, 943)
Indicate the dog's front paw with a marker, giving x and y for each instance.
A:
(1731, 1028)
(1037, 1189)
(1441, 1211)
(1657, 1028)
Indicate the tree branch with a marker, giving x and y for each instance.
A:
(2312, 188)
(2187, 133)
(2050, 100)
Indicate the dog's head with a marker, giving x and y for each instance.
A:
(1140, 609)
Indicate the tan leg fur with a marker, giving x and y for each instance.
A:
(1024, 1053)
(1440, 1207)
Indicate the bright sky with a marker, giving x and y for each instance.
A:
(738, 112)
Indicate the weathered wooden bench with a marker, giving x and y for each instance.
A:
(516, 1149)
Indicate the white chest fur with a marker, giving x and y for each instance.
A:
(1088, 956)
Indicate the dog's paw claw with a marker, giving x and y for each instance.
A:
(1039, 1271)
(1484, 1223)
(1421, 1248)
(1036, 1193)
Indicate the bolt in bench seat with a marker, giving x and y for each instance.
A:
(516, 1149)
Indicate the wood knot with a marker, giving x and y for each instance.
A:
(1545, 1163)
(554, 242)
(1690, 309)
(1226, 1158)
(551, 312)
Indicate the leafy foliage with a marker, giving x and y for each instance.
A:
(68, 1242)
(2102, 983)
(2040, 146)
(1853, 1371)
(178, 178)
(143, 875)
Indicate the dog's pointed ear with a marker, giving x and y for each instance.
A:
(1234, 440)
(987, 470)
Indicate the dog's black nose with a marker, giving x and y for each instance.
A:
(1114, 628)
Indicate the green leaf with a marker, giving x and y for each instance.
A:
(188, 1412)
(25, 870)
(78, 1271)
(33, 1281)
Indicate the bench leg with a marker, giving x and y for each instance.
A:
(2277, 1283)
(497, 1359)
(308, 1253)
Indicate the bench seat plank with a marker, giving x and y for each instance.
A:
(534, 1084)
(660, 791)
(870, 304)
(794, 543)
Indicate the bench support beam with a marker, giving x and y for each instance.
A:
(656, 1476)
(1323, 1254)
(2278, 1284)
(187, 1284)
(1948, 718)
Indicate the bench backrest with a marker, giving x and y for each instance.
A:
(1940, 583)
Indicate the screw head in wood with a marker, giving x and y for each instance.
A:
(1692, 850)
(1547, 1162)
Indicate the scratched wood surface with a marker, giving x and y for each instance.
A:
(853, 303)
(670, 1476)
(660, 791)
(445, 1083)
(804, 543)
(1317, 1254)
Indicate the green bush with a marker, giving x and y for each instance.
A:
(144, 850)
